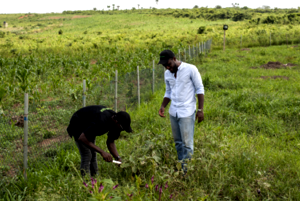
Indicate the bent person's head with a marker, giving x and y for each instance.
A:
(124, 120)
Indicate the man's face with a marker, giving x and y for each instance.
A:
(171, 65)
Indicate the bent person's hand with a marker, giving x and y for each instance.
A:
(161, 112)
(107, 157)
(200, 116)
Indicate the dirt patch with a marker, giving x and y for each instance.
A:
(239, 56)
(296, 46)
(93, 61)
(254, 67)
(245, 49)
(276, 65)
(24, 16)
(275, 77)
(51, 141)
(17, 120)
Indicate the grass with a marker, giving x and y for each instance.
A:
(248, 143)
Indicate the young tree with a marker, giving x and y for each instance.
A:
(266, 7)
(235, 5)
(118, 7)
(156, 1)
(113, 6)
(138, 6)
(218, 7)
(108, 7)
(196, 6)
(95, 9)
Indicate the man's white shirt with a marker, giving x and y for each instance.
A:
(182, 89)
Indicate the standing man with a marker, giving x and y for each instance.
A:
(92, 121)
(183, 81)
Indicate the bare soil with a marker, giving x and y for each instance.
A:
(17, 120)
(276, 65)
(54, 140)
(275, 77)
(93, 61)
(245, 49)
(74, 17)
(24, 16)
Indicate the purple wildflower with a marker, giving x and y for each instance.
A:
(115, 186)
(160, 192)
(91, 192)
(85, 184)
(166, 185)
(130, 195)
(156, 188)
(171, 196)
(111, 197)
(101, 188)
(152, 179)
(147, 186)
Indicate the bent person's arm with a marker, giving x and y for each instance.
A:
(112, 148)
(106, 156)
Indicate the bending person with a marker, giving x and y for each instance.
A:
(92, 121)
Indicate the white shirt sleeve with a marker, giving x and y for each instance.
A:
(168, 88)
(197, 81)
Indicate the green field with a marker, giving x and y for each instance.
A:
(247, 148)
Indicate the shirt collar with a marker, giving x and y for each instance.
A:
(180, 66)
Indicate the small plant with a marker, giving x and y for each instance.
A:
(85, 32)
(201, 30)
(2, 34)
(60, 32)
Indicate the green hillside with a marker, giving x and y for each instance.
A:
(247, 148)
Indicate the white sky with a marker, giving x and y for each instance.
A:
(57, 6)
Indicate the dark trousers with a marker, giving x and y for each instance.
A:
(88, 159)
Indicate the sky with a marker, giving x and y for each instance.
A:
(58, 6)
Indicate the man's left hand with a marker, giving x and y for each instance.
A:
(200, 116)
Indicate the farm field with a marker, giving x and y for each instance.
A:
(246, 149)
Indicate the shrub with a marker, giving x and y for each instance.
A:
(201, 30)
(85, 32)
(60, 32)
(2, 34)
(240, 17)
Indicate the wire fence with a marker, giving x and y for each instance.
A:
(21, 146)
(261, 39)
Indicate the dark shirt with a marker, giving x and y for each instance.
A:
(93, 121)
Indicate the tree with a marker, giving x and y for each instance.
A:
(196, 6)
(235, 5)
(218, 7)
(95, 9)
(118, 7)
(266, 7)
(108, 7)
(113, 6)
(138, 6)
(156, 1)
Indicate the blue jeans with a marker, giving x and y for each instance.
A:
(183, 134)
(88, 163)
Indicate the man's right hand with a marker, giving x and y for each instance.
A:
(161, 111)
(107, 157)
